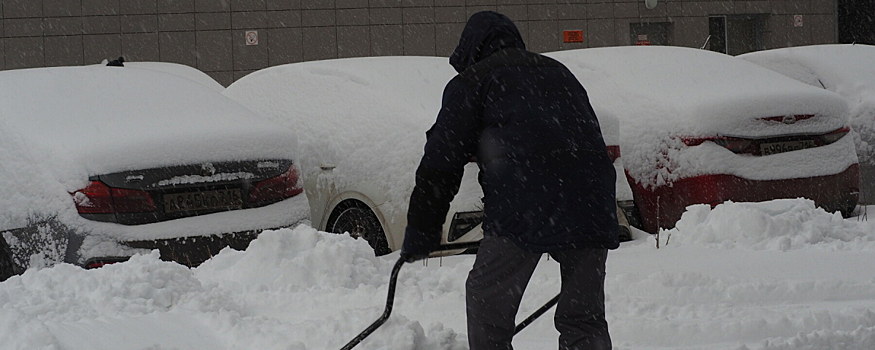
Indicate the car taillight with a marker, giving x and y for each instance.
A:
(835, 135)
(278, 187)
(736, 145)
(614, 152)
(98, 198)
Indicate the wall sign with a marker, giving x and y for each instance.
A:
(797, 20)
(251, 37)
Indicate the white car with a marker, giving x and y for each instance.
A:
(847, 70)
(361, 126)
(699, 127)
(99, 163)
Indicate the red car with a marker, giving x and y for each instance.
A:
(699, 127)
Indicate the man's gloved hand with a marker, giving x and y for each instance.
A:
(417, 244)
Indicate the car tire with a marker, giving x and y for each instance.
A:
(360, 221)
(7, 269)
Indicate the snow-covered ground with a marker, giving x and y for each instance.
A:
(775, 275)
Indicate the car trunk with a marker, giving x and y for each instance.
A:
(167, 193)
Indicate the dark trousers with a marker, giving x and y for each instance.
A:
(499, 277)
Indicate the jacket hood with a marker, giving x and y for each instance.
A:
(485, 33)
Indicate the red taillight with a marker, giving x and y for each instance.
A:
(98, 198)
(835, 135)
(278, 187)
(614, 152)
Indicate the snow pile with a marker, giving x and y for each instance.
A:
(784, 224)
(296, 289)
(664, 94)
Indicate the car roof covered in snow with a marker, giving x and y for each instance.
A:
(181, 70)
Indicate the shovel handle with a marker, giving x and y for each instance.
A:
(457, 246)
(390, 298)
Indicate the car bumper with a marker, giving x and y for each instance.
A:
(661, 207)
(188, 251)
(188, 241)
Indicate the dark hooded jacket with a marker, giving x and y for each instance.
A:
(547, 179)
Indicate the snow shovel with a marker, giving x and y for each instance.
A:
(390, 299)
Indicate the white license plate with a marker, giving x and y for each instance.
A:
(786, 146)
(204, 200)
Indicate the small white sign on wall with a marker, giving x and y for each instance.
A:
(797, 20)
(251, 37)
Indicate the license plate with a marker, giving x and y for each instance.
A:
(786, 146)
(204, 200)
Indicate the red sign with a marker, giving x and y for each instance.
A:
(797, 20)
(572, 36)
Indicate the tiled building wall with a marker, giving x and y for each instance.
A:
(210, 34)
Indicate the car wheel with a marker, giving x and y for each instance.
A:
(6, 267)
(360, 221)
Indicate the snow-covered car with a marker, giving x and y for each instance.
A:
(361, 125)
(847, 70)
(699, 127)
(99, 163)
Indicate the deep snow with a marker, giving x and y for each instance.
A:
(774, 275)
